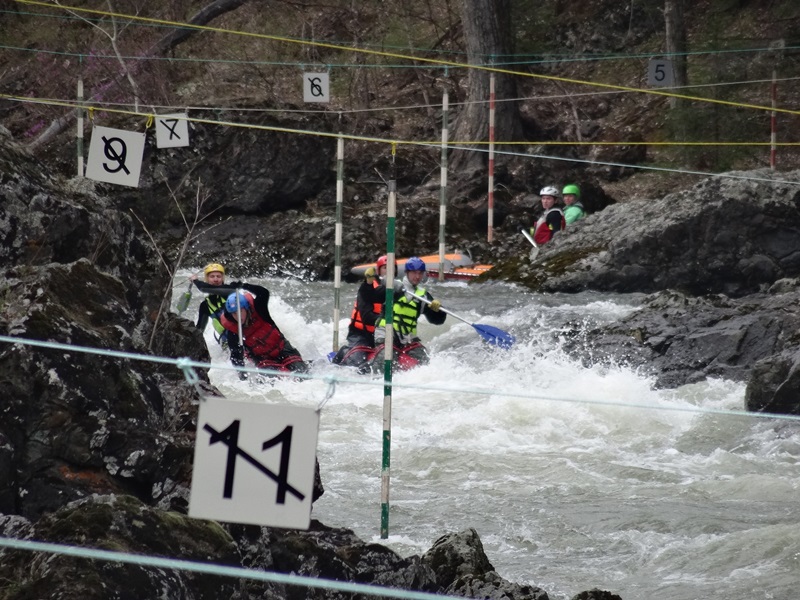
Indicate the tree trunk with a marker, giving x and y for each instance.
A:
(676, 45)
(488, 38)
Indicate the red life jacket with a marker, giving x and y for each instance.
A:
(262, 339)
(357, 321)
(542, 232)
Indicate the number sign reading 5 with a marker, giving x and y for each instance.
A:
(659, 73)
(254, 463)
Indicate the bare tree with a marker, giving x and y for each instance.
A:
(676, 44)
(166, 43)
(488, 38)
(200, 214)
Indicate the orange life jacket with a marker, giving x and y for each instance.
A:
(356, 320)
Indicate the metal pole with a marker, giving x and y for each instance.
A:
(773, 121)
(337, 258)
(80, 126)
(443, 185)
(490, 234)
(388, 352)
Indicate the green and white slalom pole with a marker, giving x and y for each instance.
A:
(337, 257)
(391, 214)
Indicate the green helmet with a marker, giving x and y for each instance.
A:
(572, 189)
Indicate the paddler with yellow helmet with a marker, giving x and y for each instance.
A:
(211, 308)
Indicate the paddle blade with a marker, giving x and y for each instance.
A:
(183, 302)
(495, 336)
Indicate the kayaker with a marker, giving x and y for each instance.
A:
(211, 308)
(264, 343)
(573, 208)
(552, 219)
(367, 308)
(408, 349)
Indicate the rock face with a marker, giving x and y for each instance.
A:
(721, 260)
(96, 450)
(725, 235)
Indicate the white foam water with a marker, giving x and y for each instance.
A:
(575, 477)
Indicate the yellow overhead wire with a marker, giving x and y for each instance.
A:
(435, 62)
(148, 116)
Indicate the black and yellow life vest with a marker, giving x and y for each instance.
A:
(215, 305)
(405, 313)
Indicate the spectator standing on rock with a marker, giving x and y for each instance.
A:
(573, 208)
(552, 219)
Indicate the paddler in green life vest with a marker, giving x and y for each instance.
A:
(211, 308)
(573, 209)
(408, 350)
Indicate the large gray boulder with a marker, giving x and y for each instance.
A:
(734, 234)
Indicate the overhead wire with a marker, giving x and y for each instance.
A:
(396, 55)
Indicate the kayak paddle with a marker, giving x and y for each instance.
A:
(493, 335)
(183, 301)
(535, 252)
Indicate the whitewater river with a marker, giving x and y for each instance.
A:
(573, 477)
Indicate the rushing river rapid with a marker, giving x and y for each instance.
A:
(574, 477)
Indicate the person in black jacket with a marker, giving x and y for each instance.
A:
(366, 311)
(211, 308)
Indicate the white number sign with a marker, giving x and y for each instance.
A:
(316, 87)
(659, 73)
(172, 131)
(254, 463)
(115, 156)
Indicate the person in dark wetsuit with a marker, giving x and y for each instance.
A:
(211, 308)
(264, 343)
(366, 311)
(552, 220)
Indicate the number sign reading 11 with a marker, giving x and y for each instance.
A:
(659, 73)
(254, 463)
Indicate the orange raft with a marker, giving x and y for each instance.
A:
(457, 266)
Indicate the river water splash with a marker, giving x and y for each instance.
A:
(575, 477)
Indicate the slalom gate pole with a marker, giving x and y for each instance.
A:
(443, 184)
(388, 310)
(772, 121)
(80, 124)
(490, 233)
(337, 256)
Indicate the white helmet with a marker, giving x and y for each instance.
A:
(549, 191)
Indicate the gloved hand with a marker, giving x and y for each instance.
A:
(369, 275)
(435, 305)
(399, 287)
(235, 284)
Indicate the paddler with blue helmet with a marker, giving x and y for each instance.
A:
(264, 343)
(408, 350)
